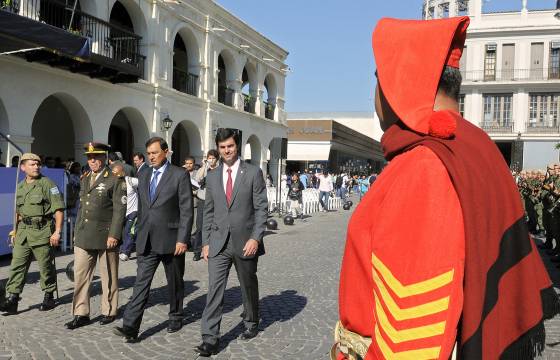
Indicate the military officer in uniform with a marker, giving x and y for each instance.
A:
(39, 207)
(97, 235)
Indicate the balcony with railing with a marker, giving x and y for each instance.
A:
(542, 127)
(185, 82)
(249, 103)
(269, 110)
(511, 75)
(497, 128)
(107, 51)
(225, 95)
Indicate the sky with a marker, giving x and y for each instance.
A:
(329, 42)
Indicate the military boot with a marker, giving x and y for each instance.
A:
(11, 304)
(48, 302)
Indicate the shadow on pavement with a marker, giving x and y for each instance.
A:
(273, 308)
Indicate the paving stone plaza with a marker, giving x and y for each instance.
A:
(298, 291)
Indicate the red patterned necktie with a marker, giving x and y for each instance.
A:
(229, 187)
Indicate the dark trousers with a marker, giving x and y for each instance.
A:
(218, 272)
(196, 238)
(324, 199)
(148, 262)
(129, 240)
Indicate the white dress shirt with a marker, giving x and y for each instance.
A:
(131, 194)
(234, 169)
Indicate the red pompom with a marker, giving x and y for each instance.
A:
(442, 124)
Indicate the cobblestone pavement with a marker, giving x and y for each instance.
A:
(298, 290)
(298, 280)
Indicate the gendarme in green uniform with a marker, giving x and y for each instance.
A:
(36, 203)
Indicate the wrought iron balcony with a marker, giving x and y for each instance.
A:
(540, 127)
(110, 52)
(225, 95)
(497, 128)
(185, 82)
(511, 75)
(269, 110)
(249, 103)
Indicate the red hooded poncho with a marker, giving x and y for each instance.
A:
(438, 251)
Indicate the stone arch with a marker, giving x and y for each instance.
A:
(128, 132)
(135, 21)
(252, 151)
(136, 15)
(64, 113)
(270, 94)
(249, 86)
(186, 61)
(186, 140)
(225, 76)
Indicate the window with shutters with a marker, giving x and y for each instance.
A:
(462, 105)
(490, 62)
(497, 115)
(554, 67)
(543, 112)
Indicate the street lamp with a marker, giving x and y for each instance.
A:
(166, 123)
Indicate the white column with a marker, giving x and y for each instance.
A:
(453, 8)
(475, 9)
(235, 85)
(521, 110)
(524, 6)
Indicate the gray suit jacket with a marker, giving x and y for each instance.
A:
(167, 219)
(244, 219)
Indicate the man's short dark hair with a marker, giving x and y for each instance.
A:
(214, 153)
(139, 155)
(190, 158)
(157, 139)
(450, 82)
(222, 134)
(113, 157)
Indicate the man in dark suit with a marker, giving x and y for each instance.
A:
(165, 217)
(235, 213)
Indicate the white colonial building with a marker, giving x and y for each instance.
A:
(511, 77)
(118, 71)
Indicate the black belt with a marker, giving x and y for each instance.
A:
(36, 221)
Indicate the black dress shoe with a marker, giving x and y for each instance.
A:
(48, 302)
(130, 334)
(77, 322)
(249, 334)
(206, 349)
(196, 256)
(174, 326)
(106, 319)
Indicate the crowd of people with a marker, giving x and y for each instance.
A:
(540, 191)
(327, 182)
(160, 209)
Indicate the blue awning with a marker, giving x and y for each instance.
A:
(18, 33)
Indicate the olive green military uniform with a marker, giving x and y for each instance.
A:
(547, 200)
(537, 203)
(555, 211)
(530, 205)
(36, 202)
(101, 215)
